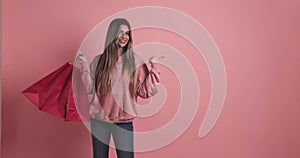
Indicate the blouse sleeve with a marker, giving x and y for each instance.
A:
(147, 78)
(88, 76)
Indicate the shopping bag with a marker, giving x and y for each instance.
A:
(53, 94)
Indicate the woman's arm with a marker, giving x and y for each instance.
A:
(147, 78)
(87, 73)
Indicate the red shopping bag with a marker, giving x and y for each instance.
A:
(53, 94)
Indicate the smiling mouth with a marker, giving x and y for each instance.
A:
(123, 41)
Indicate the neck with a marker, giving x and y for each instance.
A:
(120, 51)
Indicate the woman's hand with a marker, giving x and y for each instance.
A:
(82, 61)
(80, 58)
(153, 59)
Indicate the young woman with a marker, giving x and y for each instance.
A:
(114, 81)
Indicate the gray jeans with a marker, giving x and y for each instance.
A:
(122, 135)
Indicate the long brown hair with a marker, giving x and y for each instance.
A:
(109, 57)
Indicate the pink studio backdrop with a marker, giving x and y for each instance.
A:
(259, 44)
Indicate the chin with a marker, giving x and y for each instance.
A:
(123, 45)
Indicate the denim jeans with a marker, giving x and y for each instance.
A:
(122, 135)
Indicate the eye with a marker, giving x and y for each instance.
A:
(120, 32)
(125, 32)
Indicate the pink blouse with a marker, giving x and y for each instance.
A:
(118, 105)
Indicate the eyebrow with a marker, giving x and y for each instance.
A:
(124, 30)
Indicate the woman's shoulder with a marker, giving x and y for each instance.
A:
(96, 59)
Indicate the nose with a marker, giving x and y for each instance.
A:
(123, 34)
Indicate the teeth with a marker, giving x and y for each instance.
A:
(122, 41)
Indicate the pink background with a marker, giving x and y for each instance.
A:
(259, 43)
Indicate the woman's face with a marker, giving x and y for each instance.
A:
(123, 36)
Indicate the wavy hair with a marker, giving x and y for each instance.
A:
(109, 58)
